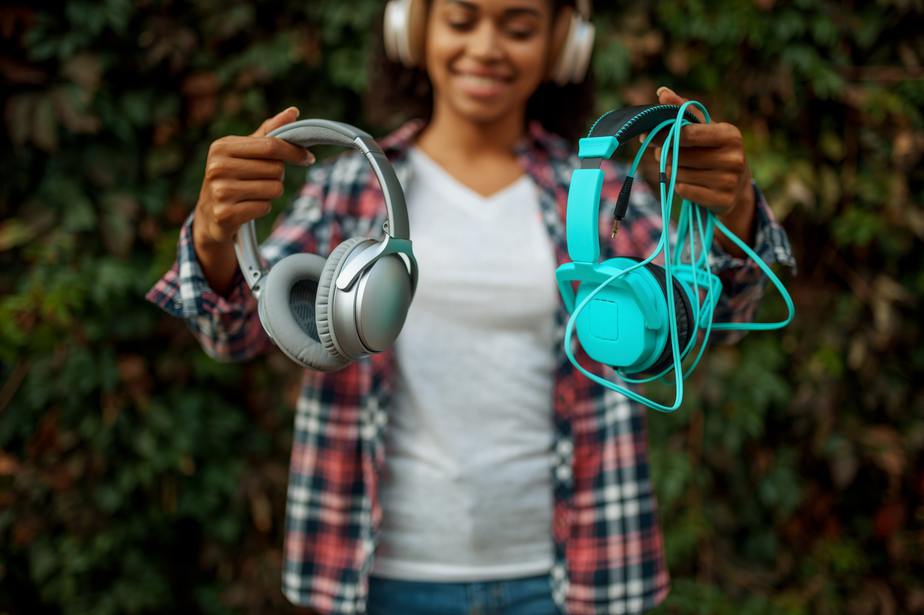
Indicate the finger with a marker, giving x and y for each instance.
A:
(286, 116)
(244, 168)
(267, 148)
(720, 181)
(726, 159)
(236, 191)
(714, 200)
(720, 134)
(667, 96)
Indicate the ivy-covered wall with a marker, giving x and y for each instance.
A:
(139, 476)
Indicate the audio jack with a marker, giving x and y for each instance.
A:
(622, 204)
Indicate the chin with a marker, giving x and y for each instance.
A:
(484, 111)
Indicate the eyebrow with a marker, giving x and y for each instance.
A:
(511, 12)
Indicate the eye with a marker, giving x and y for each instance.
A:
(461, 25)
(521, 28)
(460, 20)
(521, 34)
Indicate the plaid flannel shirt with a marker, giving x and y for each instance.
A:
(608, 546)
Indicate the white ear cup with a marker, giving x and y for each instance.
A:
(574, 56)
(404, 31)
(395, 31)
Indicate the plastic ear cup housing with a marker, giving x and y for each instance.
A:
(571, 56)
(404, 31)
(625, 325)
(368, 316)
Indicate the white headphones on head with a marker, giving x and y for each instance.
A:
(404, 32)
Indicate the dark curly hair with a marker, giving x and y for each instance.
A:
(398, 93)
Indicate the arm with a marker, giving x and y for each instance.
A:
(226, 324)
(205, 287)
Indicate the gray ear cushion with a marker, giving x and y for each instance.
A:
(327, 290)
(286, 310)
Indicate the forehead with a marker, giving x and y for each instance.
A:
(499, 6)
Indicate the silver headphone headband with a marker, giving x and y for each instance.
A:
(307, 133)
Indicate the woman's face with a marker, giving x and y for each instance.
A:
(485, 58)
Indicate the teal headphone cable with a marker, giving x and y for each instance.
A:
(695, 225)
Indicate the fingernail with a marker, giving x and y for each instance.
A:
(308, 159)
(292, 109)
(661, 89)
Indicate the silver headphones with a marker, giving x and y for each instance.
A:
(572, 44)
(325, 313)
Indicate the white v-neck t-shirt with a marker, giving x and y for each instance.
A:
(467, 492)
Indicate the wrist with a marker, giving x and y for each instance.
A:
(204, 242)
(740, 220)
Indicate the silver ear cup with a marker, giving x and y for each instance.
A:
(331, 329)
(368, 316)
(383, 297)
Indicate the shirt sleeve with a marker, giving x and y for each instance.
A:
(743, 282)
(228, 327)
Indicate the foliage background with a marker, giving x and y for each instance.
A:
(139, 476)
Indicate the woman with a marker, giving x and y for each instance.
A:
(463, 513)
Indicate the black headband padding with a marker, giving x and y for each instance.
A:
(630, 122)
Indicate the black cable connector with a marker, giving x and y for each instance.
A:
(622, 204)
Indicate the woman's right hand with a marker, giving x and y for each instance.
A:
(242, 176)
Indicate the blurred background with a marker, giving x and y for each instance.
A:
(139, 476)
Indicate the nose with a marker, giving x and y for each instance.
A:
(485, 42)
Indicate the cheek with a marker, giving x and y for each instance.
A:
(440, 48)
(530, 60)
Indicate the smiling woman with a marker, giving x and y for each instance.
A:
(505, 482)
(400, 91)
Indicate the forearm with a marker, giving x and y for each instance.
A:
(740, 221)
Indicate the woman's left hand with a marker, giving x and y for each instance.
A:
(713, 170)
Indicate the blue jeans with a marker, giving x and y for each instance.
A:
(529, 596)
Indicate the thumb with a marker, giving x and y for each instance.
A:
(667, 96)
(280, 119)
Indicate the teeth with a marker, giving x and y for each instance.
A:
(481, 80)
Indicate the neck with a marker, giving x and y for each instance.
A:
(449, 131)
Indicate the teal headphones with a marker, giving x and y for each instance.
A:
(641, 318)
